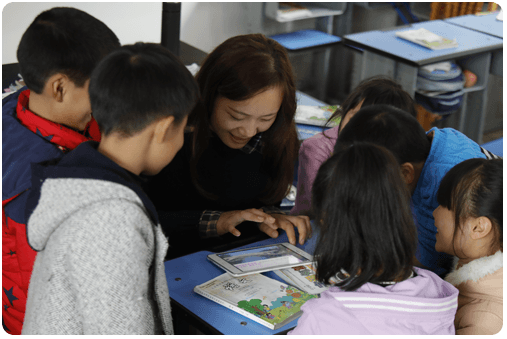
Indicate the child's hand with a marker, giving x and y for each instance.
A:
(229, 220)
(287, 223)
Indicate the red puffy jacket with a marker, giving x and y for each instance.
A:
(26, 138)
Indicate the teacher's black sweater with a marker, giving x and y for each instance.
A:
(234, 176)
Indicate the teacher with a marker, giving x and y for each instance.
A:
(237, 162)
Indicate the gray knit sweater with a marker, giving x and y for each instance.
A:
(100, 266)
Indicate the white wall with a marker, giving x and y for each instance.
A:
(205, 25)
(132, 22)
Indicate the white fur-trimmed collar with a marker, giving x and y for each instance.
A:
(476, 269)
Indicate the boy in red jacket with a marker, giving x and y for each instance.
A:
(50, 117)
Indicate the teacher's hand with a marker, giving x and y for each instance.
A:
(287, 223)
(229, 220)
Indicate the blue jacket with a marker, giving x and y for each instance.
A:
(448, 148)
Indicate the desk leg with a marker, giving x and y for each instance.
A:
(374, 64)
(406, 76)
(472, 123)
(497, 63)
(377, 65)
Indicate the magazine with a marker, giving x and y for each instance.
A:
(264, 300)
(427, 39)
(316, 115)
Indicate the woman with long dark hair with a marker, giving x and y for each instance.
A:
(237, 162)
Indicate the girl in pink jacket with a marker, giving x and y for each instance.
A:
(317, 149)
(366, 248)
(469, 225)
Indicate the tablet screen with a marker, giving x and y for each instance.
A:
(262, 258)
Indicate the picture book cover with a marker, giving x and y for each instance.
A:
(316, 115)
(260, 298)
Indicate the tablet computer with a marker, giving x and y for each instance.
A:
(260, 259)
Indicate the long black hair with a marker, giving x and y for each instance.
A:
(361, 205)
(388, 126)
(474, 188)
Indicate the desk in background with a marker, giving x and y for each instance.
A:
(386, 54)
(487, 24)
(184, 273)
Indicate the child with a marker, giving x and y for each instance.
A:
(100, 266)
(471, 197)
(317, 149)
(424, 159)
(367, 242)
(56, 55)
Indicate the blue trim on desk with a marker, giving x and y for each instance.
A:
(387, 43)
(481, 23)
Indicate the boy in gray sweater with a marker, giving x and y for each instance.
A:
(99, 267)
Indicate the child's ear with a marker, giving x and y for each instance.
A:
(57, 86)
(163, 129)
(408, 172)
(480, 227)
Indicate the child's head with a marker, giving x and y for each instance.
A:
(393, 129)
(361, 205)
(138, 86)
(374, 91)
(56, 56)
(470, 215)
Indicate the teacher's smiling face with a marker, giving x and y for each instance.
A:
(236, 122)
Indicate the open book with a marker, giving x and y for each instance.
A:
(262, 299)
(427, 39)
(316, 115)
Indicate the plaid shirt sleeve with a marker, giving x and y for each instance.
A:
(208, 224)
(209, 220)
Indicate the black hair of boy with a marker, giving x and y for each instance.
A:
(139, 84)
(474, 188)
(63, 40)
(361, 206)
(388, 126)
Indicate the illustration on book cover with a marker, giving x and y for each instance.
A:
(268, 302)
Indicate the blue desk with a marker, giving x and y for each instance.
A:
(386, 54)
(495, 147)
(485, 24)
(184, 273)
(480, 23)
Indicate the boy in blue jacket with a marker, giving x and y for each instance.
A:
(42, 121)
(424, 159)
(100, 262)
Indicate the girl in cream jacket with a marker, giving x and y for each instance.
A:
(470, 196)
